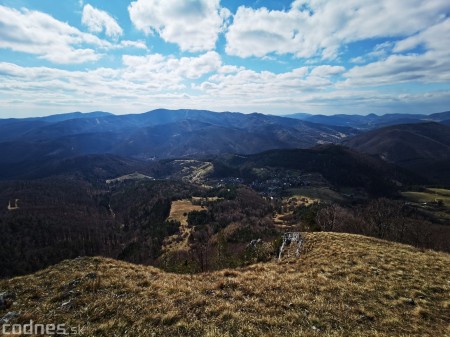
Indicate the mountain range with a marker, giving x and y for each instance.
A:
(372, 121)
(157, 134)
(111, 145)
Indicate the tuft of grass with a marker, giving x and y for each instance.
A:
(342, 285)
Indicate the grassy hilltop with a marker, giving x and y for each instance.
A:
(342, 285)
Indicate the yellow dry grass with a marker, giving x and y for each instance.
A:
(178, 211)
(342, 285)
(289, 204)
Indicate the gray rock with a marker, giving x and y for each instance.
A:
(74, 283)
(6, 299)
(410, 301)
(91, 275)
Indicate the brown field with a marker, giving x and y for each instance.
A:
(178, 211)
(323, 194)
(180, 208)
(342, 285)
(289, 205)
(426, 200)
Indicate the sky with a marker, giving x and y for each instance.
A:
(268, 56)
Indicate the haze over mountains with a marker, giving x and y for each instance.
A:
(159, 133)
(372, 121)
(33, 147)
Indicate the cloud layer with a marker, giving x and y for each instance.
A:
(320, 27)
(314, 56)
(193, 25)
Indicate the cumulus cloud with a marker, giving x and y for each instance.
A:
(431, 66)
(169, 71)
(97, 21)
(248, 85)
(40, 34)
(140, 78)
(156, 80)
(320, 27)
(192, 25)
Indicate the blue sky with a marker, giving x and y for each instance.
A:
(278, 57)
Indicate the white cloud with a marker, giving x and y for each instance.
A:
(97, 21)
(165, 81)
(431, 66)
(246, 84)
(380, 51)
(134, 44)
(141, 78)
(40, 34)
(193, 25)
(321, 27)
(168, 70)
(327, 70)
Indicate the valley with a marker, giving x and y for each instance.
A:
(200, 228)
(218, 168)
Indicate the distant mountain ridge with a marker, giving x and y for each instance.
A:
(372, 121)
(159, 133)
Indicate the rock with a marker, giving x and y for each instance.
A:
(74, 283)
(8, 317)
(67, 305)
(91, 275)
(6, 300)
(410, 301)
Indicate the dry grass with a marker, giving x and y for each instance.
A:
(178, 211)
(323, 194)
(429, 196)
(132, 176)
(343, 285)
(283, 220)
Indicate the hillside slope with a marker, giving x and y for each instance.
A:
(342, 285)
(418, 147)
(338, 165)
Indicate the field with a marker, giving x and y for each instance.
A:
(181, 208)
(323, 194)
(132, 176)
(342, 285)
(433, 200)
(430, 195)
(288, 206)
(178, 212)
